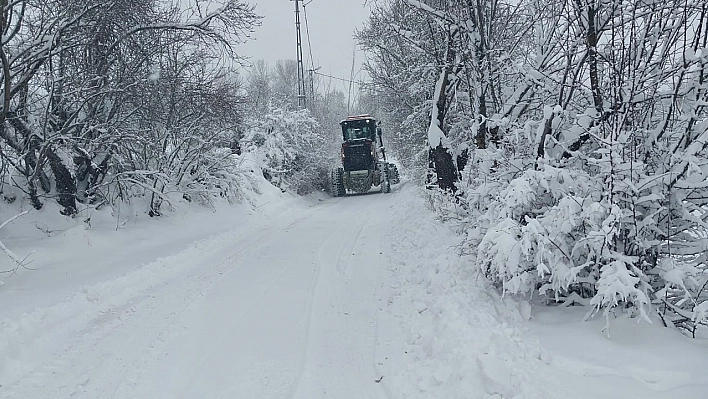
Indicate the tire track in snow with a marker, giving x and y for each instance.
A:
(84, 322)
(272, 278)
(237, 329)
(317, 257)
(342, 329)
(129, 337)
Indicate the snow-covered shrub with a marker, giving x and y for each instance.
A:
(294, 148)
(214, 177)
(551, 231)
(682, 297)
(586, 181)
(603, 229)
(608, 234)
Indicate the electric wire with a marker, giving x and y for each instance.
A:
(307, 33)
(345, 80)
(312, 61)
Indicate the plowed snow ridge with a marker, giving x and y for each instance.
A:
(358, 297)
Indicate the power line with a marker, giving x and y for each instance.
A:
(307, 32)
(312, 69)
(345, 80)
(312, 60)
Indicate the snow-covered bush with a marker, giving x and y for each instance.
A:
(607, 232)
(86, 120)
(588, 138)
(294, 148)
(552, 231)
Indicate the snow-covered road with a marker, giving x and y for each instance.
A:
(285, 310)
(365, 297)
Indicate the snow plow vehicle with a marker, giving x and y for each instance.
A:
(363, 155)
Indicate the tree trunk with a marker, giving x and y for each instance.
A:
(439, 156)
(591, 39)
(66, 187)
(444, 167)
(27, 149)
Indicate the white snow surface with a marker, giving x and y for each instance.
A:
(357, 297)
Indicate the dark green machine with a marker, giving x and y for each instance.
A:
(364, 162)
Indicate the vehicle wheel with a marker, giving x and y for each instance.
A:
(393, 175)
(337, 181)
(385, 182)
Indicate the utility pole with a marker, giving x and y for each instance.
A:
(351, 80)
(300, 68)
(312, 87)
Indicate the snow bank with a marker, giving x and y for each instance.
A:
(462, 340)
(640, 360)
(62, 292)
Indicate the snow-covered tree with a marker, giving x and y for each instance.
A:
(297, 146)
(292, 147)
(586, 124)
(75, 75)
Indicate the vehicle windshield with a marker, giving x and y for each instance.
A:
(353, 130)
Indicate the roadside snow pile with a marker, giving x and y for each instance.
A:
(25, 341)
(83, 271)
(640, 360)
(462, 340)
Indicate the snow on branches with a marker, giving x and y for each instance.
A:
(292, 146)
(107, 100)
(587, 124)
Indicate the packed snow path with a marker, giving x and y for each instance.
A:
(287, 310)
(358, 297)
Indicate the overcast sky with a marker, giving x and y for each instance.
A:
(331, 24)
